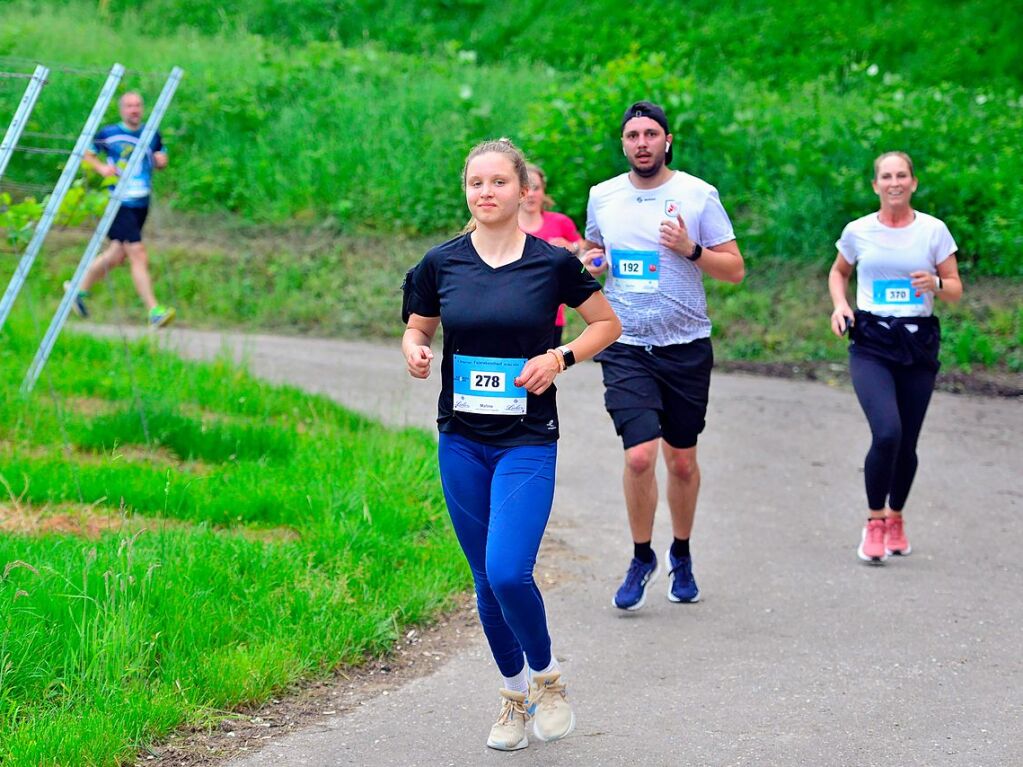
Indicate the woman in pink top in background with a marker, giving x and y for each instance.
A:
(556, 228)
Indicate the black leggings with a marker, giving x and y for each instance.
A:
(894, 398)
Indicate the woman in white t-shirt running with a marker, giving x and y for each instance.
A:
(903, 260)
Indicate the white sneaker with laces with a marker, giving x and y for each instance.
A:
(509, 731)
(553, 717)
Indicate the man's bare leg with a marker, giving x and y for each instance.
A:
(139, 262)
(683, 488)
(640, 485)
(112, 257)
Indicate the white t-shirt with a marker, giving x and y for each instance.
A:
(657, 294)
(885, 256)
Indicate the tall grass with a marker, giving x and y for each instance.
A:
(348, 287)
(319, 134)
(794, 164)
(259, 535)
(930, 42)
(292, 127)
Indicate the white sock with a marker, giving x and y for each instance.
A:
(552, 666)
(517, 683)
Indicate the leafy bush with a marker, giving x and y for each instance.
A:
(319, 134)
(18, 218)
(928, 42)
(794, 165)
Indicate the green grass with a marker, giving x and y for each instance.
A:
(348, 286)
(319, 134)
(937, 41)
(782, 313)
(260, 535)
(279, 122)
(793, 164)
(315, 154)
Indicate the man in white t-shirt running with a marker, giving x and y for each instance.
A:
(656, 232)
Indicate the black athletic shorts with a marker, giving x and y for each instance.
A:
(128, 223)
(658, 391)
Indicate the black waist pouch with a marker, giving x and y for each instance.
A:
(903, 340)
(406, 294)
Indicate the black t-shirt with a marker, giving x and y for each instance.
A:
(504, 315)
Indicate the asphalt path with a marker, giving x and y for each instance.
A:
(798, 653)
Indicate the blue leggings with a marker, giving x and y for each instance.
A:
(894, 398)
(499, 499)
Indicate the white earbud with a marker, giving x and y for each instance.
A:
(667, 147)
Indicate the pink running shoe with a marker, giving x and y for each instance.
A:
(872, 548)
(895, 540)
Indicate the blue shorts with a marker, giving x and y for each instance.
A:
(658, 391)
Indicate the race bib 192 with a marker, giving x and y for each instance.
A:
(635, 270)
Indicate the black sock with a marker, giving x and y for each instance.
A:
(643, 552)
(680, 547)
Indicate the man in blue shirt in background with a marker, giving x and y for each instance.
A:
(116, 143)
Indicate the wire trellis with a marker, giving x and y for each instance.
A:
(70, 69)
(44, 141)
(49, 136)
(41, 150)
(24, 188)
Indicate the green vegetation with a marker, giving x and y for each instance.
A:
(82, 205)
(349, 286)
(773, 318)
(783, 108)
(192, 539)
(252, 535)
(794, 167)
(945, 40)
(320, 135)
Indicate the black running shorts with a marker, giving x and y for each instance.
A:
(658, 391)
(128, 223)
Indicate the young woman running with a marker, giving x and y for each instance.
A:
(903, 259)
(495, 290)
(555, 228)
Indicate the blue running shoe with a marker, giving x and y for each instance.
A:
(632, 593)
(78, 303)
(681, 583)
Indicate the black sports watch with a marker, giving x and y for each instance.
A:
(568, 355)
(697, 252)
